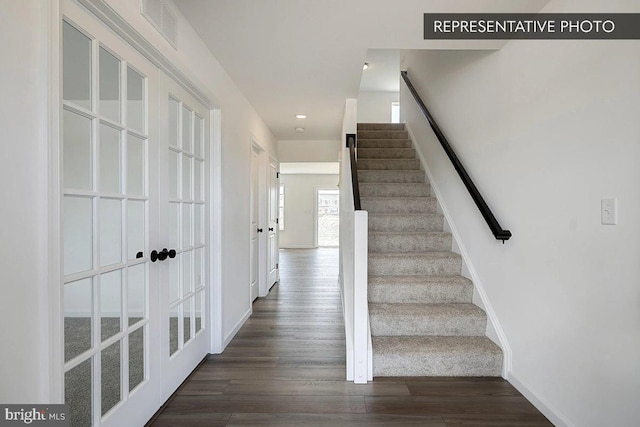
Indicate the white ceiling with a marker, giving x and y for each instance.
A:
(302, 56)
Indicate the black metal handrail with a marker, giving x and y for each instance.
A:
(491, 220)
(352, 143)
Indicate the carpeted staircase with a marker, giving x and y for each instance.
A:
(423, 322)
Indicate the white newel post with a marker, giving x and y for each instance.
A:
(360, 304)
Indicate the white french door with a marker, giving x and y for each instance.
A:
(183, 214)
(133, 174)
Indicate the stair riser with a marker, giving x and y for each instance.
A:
(409, 242)
(380, 126)
(399, 205)
(386, 153)
(384, 143)
(431, 293)
(383, 134)
(437, 365)
(390, 176)
(388, 164)
(394, 190)
(414, 265)
(393, 223)
(399, 325)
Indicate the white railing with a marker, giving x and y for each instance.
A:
(354, 264)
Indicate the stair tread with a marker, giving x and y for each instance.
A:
(408, 233)
(436, 289)
(422, 345)
(397, 197)
(394, 184)
(434, 319)
(475, 356)
(419, 309)
(410, 214)
(419, 280)
(429, 254)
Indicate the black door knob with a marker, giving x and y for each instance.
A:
(154, 255)
(270, 228)
(172, 253)
(163, 255)
(259, 230)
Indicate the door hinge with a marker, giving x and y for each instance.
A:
(277, 220)
(277, 174)
(277, 266)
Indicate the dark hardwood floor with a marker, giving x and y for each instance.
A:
(286, 367)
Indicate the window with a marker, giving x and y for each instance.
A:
(395, 112)
(281, 209)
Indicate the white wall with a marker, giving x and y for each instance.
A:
(24, 354)
(308, 151)
(375, 107)
(547, 129)
(299, 208)
(23, 295)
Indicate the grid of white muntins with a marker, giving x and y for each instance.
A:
(186, 223)
(99, 233)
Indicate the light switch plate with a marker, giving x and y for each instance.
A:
(609, 211)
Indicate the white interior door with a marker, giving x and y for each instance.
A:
(183, 222)
(272, 236)
(109, 210)
(255, 225)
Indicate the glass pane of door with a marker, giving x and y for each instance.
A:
(109, 85)
(105, 228)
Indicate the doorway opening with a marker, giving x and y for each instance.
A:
(327, 217)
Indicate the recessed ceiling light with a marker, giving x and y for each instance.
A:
(299, 130)
(365, 66)
(301, 116)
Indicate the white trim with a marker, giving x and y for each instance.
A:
(298, 247)
(466, 259)
(215, 221)
(541, 404)
(53, 22)
(231, 335)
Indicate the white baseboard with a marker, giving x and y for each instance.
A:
(236, 328)
(552, 414)
(298, 247)
(466, 259)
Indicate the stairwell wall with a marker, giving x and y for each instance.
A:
(547, 129)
